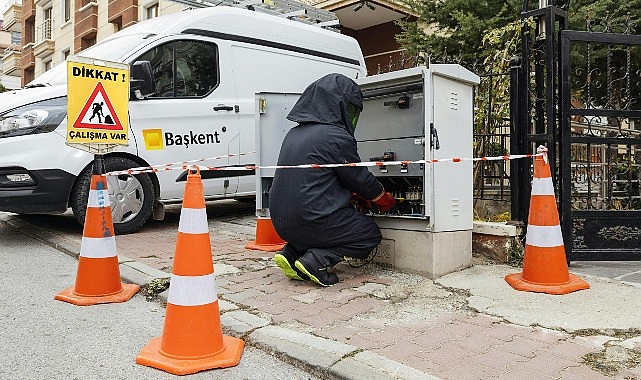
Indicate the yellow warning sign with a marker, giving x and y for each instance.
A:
(97, 105)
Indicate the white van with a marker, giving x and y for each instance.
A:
(207, 64)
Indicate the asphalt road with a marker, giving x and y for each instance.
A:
(46, 339)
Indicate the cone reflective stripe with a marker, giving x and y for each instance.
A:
(192, 290)
(192, 338)
(545, 267)
(267, 238)
(98, 275)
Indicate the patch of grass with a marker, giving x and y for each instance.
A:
(615, 333)
(155, 287)
(515, 253)
(600, 361)
(497, 218)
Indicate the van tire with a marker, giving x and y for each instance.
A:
(141, 187)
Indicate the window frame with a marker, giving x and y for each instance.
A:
(173, 44)
(149, 8)
(65, 6)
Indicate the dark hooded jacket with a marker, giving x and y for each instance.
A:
(311, 201)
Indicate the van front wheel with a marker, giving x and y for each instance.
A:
(131, 196)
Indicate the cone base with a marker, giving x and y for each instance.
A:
(575, 283)
(150, 356)
(264, 247)
(67, 295)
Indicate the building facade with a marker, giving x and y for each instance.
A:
(9, 42)
(51, 30)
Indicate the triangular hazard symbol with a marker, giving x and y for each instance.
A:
(100, 117)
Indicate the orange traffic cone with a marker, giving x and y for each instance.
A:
(192, 338)
(545, 268)
(267, 238)
(98, 276)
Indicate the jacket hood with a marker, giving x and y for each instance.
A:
(325, 102)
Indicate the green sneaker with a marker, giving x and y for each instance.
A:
(289, 270)
(321, 276)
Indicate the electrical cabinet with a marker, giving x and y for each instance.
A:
(419, 114)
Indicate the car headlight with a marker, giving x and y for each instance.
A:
(39, 117)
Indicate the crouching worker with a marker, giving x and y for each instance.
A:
(311, 208)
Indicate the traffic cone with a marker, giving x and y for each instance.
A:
(267, 238)
(98, 276)
(545, 268)
(192, 338)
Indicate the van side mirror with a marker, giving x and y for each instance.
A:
(141, 81)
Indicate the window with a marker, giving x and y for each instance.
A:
(16, 38)
(47, 65)
(183, 68)
(152, 11)
(65, 54)
(66, 10)
(47, 24)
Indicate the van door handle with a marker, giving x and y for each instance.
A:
(222, 107)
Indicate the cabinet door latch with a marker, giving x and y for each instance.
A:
(434, 143)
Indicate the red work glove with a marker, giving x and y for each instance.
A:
(385, 202)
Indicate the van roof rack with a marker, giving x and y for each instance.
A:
(290, 9)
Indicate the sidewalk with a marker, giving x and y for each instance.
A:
(378, 323)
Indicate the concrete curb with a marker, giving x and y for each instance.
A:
(321, 356)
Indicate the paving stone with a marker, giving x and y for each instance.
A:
(400, 351)
(523, 346)
(469, 371)
(226, 306)
(240, 297)
(425, 365)
(570, 349)
(365, 343)
(497, 359)
(447, 354)
(360, 305)
(524, 374)
(547, 335)
(319, 320)
(549, 364)
(502, 331)
(478, 343)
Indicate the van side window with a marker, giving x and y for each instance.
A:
(184, 68)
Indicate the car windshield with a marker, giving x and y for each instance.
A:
(113, 49)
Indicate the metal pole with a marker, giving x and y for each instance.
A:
(98, 165)
(517, 132)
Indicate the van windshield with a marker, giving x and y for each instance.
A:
(113, 49)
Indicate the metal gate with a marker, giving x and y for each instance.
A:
(579, 93)
(600, 150)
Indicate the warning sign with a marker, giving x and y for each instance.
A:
(98, 113)
(98, 99)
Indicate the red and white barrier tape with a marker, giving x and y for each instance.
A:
(192, 164)
(176, 165)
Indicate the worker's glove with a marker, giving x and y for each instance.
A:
(385, 202)
(361, 204)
